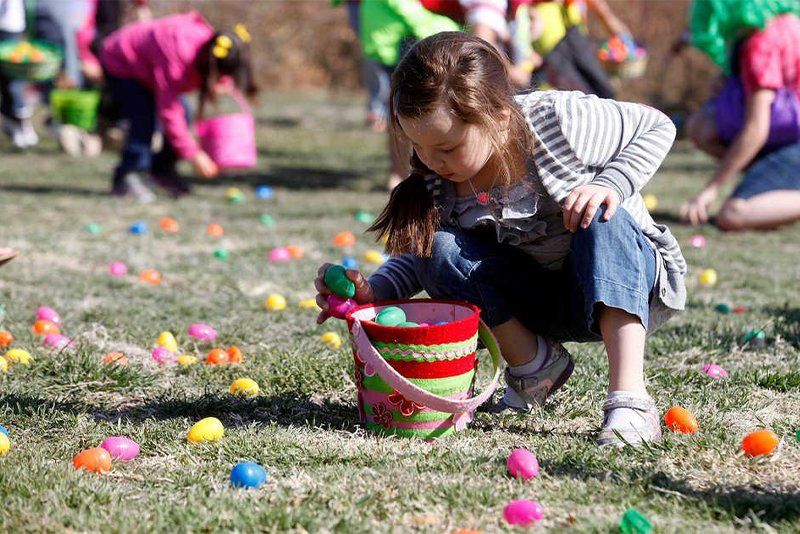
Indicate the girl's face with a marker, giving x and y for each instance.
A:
(448, 146)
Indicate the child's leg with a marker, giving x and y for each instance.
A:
(624, 338)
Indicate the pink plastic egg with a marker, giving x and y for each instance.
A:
(338, 307)
(523, 464)
(279, 254)
(56, 341)
(523, 512)
(697, 241)
(715, 371)
(117, 269)
(163, 356)
(121, 448)
(202, 332)
(46, 313)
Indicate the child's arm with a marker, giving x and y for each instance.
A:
(395, 279)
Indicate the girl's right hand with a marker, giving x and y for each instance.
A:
(363, 294)
(204, 165)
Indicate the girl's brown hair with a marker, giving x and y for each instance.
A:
(470, 77)
(225, 54)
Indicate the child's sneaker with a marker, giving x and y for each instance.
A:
(175, 184)
(132, 184)
(630, 419)
(533, 389)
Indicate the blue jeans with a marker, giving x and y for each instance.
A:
(139, 108)
(611, 264)
(776, 171)
(12, 92)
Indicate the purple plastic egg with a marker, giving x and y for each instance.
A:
(202, 332)
(338, 307)
(121, 448)
(279, 255)
(117, 269)
(56, 341)
(45, 313)
(523, 512)
(715, 371)
(163, 356)
(523, 464)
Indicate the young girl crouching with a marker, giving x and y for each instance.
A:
(529, 207)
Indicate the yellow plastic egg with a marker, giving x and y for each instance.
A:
(308, 304)
(167, 340)
(708, 277)
(185, 360)
(18, 356)
(650, 202)
(244, 387)
(373, 256)
(5, 444)
(332, 339)
(3, 365)
(275, 302)
(208, 429)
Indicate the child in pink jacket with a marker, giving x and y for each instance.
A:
(148, 66)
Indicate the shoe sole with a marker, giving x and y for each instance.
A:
(562, 378)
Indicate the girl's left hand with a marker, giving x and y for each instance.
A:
(582, 203)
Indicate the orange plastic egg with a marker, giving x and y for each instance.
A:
(43, 328)
(150, 276)
(116, 358)
(759, 443)
(344, 239)
(6, 338)
(217, 357)
(168, 224)
(97, 460)
(235, 354)
(680, 420)
(215, 230)
(295, 251)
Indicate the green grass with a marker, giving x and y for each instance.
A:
(325, 472)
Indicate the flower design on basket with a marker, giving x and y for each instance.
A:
(381, 415)
(358, 377)
(405, 406)
(460, 420)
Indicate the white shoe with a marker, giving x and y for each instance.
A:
(91, 144)
(69, 139)
(29, 134)
(13, 129)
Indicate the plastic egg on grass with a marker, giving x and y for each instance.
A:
(117, 268)
(295, 252)
(633, 522)
(208, 429)
(97, 460)
(202, 332)
(708, 277)
(279, 255)
(121, 448)
(185, 360)
(222, 254)
(248, 475)
(680, 420)
(275, 302)
(759, 443)
(523, 464)
(150, 276)
(5, 444)
(266, 219)
(115, 358)
(169, 225)
(338, 307)
(235, 354)
(6, 338)
(308, 304)
(715, 371)
(244, 387)
(756, 338)
(217, 357)
(650, 202)
(57, 341)
(18, 357)
(349, 262)
(45, 313)
(523, 513)
(42, 328)
(234, 195)
(344, 239)
(3, 365)
(4, 430)
(374, 257)
(697, 241)
(264, 192)
(332, 339)
(163, 356)
(215, 230)
(138, 228)
(168, 341)
(93, 228)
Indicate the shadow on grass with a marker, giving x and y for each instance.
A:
(296, 178)
(787, 324)
(54, 189)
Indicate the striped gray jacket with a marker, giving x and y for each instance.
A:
(581, 139)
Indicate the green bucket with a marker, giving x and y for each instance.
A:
(72, 106)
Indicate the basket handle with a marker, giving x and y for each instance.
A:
(414, 393)
(237, 96)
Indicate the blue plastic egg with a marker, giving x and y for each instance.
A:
(349, 262)
(4, 431)
(264, 192)
(248, 475)
(138, 228)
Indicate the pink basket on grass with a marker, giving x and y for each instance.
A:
(230, 140)
(418, 381)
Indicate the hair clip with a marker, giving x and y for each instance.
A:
(219, 52)
(241, 30)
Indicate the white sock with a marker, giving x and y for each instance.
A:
(510, 397)
(626, 418)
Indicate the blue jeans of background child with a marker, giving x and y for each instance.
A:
(12, 92)
(777, 171)
(139, 108)
(611, 263)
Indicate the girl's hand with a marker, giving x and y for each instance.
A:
(582, 203)
(204, 165)
(696, 210)
(363, 294)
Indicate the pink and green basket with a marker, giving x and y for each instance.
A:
(419, 381)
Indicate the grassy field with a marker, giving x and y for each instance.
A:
(325, 472)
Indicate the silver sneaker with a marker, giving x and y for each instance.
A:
(134, 185)
(536, 387)
(649, 430)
